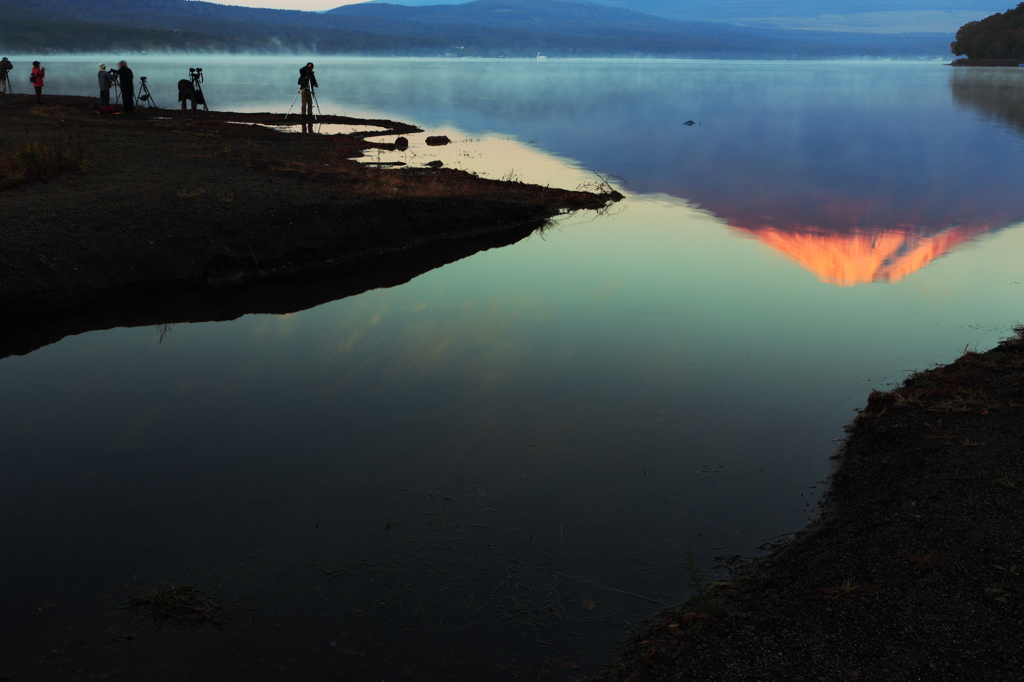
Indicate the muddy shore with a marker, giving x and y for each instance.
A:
(914, 569)
(166, 206)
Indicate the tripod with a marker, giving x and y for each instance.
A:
(196, 75)
(316, 102)
(144, 94)
(8, 87)
(116, 84)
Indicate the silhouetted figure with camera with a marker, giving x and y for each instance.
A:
(307, 81)
(5, 81)
(127, 80)
(106, 79)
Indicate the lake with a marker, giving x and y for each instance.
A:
(496, 469)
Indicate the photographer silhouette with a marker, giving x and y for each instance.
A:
(307, 81)
(126, 79)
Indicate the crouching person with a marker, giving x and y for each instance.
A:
(187, 92)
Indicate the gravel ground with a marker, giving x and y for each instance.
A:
(915, 569)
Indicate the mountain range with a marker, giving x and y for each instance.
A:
(876, 16)
(479, 28)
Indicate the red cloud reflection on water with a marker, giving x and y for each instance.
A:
(883, 239)
(849, 258)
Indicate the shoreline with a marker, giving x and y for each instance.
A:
(914, 569)
(285, 293)
(964, 61)
(167, 204)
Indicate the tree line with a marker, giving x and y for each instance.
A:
(1000, 36)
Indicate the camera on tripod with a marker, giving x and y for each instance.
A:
(144, 95)
(196, 76)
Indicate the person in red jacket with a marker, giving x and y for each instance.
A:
(38, 74)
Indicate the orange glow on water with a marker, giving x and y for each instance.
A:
(849, 258)
(846, 239)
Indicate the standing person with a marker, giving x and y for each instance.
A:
(36, 78)
(127, 80)
(105, 78)
(307, 81)
(5, 68)
(186, 92)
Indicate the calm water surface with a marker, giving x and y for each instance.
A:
(478, 474)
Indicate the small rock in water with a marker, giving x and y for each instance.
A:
(437, 140)
(402, 143)
(435, 164)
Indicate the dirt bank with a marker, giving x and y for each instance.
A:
(162, 204)
(915, 570)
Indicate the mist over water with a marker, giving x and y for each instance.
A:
(460, 477)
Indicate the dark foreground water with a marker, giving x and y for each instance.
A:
(494, 470)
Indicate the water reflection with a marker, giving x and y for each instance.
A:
(278, 295)
(860, 172)
(997, 93)
(848, 232)
(856, 257)
(461, 471)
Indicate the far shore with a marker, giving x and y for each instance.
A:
(987, 62)
(914, 569)
(159, 205)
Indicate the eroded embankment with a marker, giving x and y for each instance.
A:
(916, 569)
(159, 205)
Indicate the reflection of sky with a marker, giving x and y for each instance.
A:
(555, 333)
(857, 257)
(650, 334)
(791, 153)
(819, 148)
(770, 136)
(554, 372)
(998, 94)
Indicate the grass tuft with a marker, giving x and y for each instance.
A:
(61, 153)
(184, 606)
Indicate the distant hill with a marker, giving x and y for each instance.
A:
(878, 16)
(1000, 36)
(733, 9)
(479, 28)
(546, 16)
(31, 35)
